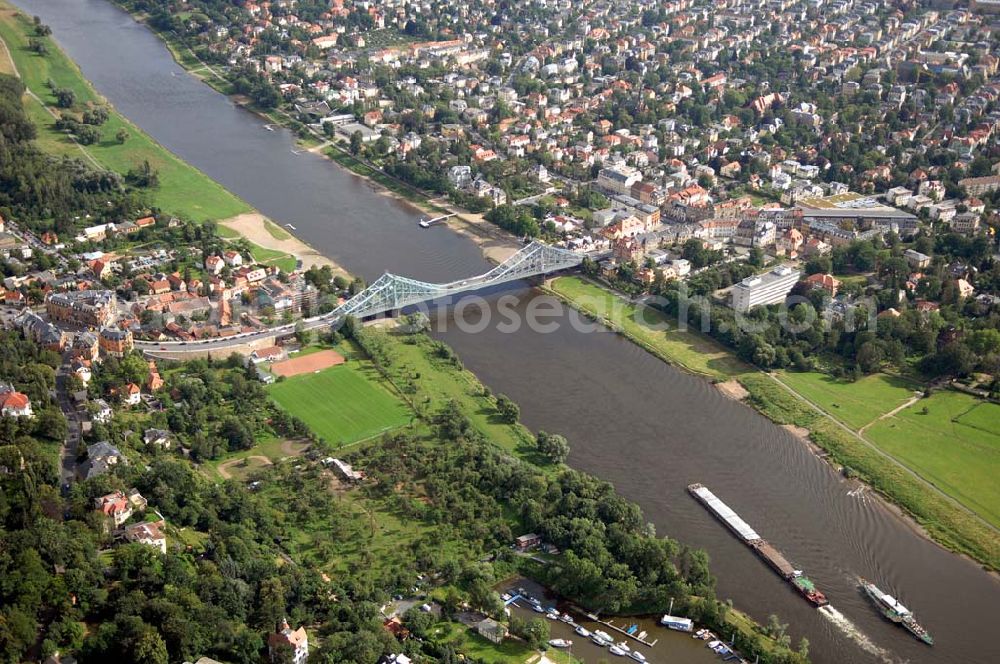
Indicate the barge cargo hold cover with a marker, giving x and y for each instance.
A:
(724, 513)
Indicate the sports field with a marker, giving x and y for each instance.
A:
(308, 363)
(342, 404)
(855, 404)
(955, 445)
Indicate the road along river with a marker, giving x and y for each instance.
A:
(631, 419)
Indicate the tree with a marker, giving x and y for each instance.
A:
(302, 335)
(535, 632)
(553, 447)
(121, 136)
(65, 98)
(356, 142)
(508, 410)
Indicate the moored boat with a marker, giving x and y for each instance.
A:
(582, 631)
(677, 623)
(615, 650)
(560, 643)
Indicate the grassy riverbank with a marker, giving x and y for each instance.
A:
(884, 457)
(183, 190)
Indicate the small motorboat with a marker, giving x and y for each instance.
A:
(566, 618)
(637, 656)
(582, 631)
(560, 643)
(615, 650)
(537, 608)
(600, 640)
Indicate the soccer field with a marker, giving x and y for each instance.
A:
(342, 404)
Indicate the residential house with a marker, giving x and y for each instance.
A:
(115, 507)
(14, 403)
(150, 533)
(115, 342)
(157, 437)
(214, 264)
(491, 630)
(101, 457)
(131, 394)
(285, 638)
(827, 282)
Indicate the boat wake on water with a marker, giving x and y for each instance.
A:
(843, 623)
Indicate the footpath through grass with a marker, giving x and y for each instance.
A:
(342, 404)
(854, 403)
(183, 190)
(650, 329)
(955, 444)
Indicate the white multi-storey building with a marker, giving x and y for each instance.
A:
(762, 289)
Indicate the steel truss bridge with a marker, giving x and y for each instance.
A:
(390, 293)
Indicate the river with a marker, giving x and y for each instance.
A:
(630, 418)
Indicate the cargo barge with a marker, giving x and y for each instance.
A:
(774, 558)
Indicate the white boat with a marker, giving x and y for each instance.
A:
(551, 616)
(424, 223)
(714, 644)
(615, 650)
(603, 635)
(582, 631)
(637, 656)
(537, 608)
(623, 646)
(566, 618)
(560, 643)
(505, 596)
(600, 640)
(679, 624)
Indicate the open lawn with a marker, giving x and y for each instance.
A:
(470, 644)
(266, 450)
(264, 256)
(854, 403)
(651, 329)
(343, 404)
(955, 445)
(183, 190)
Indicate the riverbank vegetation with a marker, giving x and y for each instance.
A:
(871, 456)
(74, 121)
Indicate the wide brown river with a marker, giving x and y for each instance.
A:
(630, 418)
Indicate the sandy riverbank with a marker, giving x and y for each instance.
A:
(251, 225)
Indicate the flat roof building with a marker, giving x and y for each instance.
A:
(763, 289)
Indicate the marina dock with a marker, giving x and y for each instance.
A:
(611, 625)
